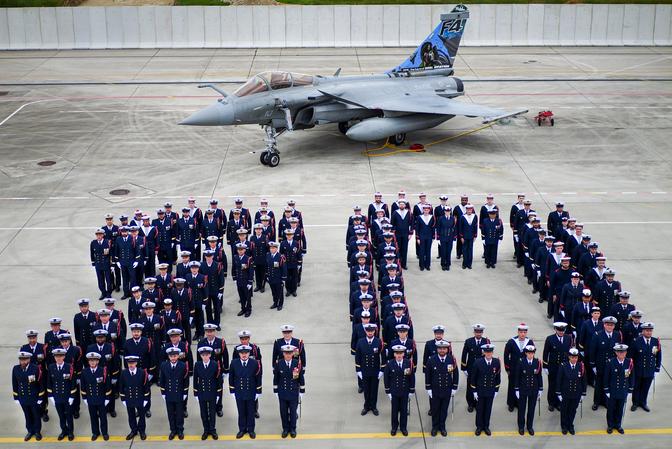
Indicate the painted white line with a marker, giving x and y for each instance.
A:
(598, 193)
(23, 106)
(628, 193)
(659, 193)
(567, 193)
(327, 194)
(115, 111)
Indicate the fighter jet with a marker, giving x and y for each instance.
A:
(419, 93)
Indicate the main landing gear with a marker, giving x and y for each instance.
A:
(270, 156)
(396, 139)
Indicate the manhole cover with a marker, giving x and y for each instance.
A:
(119, 192)
(46, 163)
(530, 61)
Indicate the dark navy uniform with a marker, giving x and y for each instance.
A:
(618, 383)
(141, 348)
(174, 384)
(369, 364)
(220, 355)
(215, 277)
(606, 294)
(101, 256)
(96, 390)
(403, 230)
(485, 379)
(492, 231)
(425, 232)
(601, 350)
(182, 301)
(165, 240)
(28, 391)
(245, 383)
(242, 271)
(647, 355)
(446, 231)
(134, 393)
(208, 391)
(513, 354)
(126, 254)
(529, 384)
(556, 349)
(288, 383)
(62, 387)
(471, 351)
(622, 313)
(587, 331)
(441, 378)
(187, 235)
(293, 260)
(259, 250)
(83, 326)
(399, 381)
(468, 231)
(411, 352)
(299, 352)
(571, 385)
(276, 275)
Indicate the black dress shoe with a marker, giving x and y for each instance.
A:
(477, 432)
(619, 430)
(292, 434)
(262, 290)
(393, 432)
(510, 408)
(28, 437)
(549, 316)
(610, 430)
(247, 314)
(571, 431)
(220, 413)
(428, 269)
(241, 313)
(256, 415)
(521, 432)
(71, 436)
(404, 432)
(274, 306)
(447, 268)
(60, 436)
(113, 414)
(204, 436)
(130, 436)
(256, 289)
(45, 417)
(279, 308)
(284, 434)
(252, 435)
(531, 432)
(106, 437)
(550, 408)
(375, 412)
(429, 412)
(540, 300)
(75, 415)
(364, 411)
(148, 414)
(360, 390)
(294, 294)
(214, 435)
(171, 436)
(38, 435)
(186, 414)
(433, 433)
(240, 435)
(470, 409)
(444, 432)
(94, 437)
(564, 431)
(487, 432)
(180, 435)
(595, 407)
(633, 408)
(422, 268)
(645, 408)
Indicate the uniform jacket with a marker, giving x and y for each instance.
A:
(441, 377)
(207, 381)
(369, 357)
(528, 379)
(96, 385)
(647, 357)
(619, 378)
(134, 389)
(288, 381)
(571, 382)
(484, 378)
(174, 382)
(245, 381)
(399, 381)
(27, 384)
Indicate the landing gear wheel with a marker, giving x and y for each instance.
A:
(273, 160)
(552, 122)
(264, 157)
(343, 127)
(396, 139)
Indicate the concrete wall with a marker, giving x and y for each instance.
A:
(328, 26)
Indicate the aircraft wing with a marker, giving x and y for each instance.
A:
(422, 102)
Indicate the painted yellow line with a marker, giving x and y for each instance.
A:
(350, 436)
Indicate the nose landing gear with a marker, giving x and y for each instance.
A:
(270, 156)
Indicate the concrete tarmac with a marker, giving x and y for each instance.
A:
(608, 158)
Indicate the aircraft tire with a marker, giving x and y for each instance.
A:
(264, 157)
(343, 127)
(273, 160)
(397, 139)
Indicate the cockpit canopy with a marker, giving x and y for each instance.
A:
(265, 81)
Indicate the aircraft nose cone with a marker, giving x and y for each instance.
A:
(216, 114)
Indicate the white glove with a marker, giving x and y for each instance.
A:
(249, 286)
(150, 377)
(195, 245)
(608, 395)
(517, 395)
(184, 397)
(539, 395)
(256, 397)
(220, 295)
(54, 402)
(191, 320)
(389, 396)
(85, 402)
(218, 400)
(39, 402)
(581, 399)
(546, 371)
(595, 370)
(119, 265)
(233, 395)
(107, 401)
(410, 395)
(560, 397)
(114, 381)
(465, 373)
(562, 312)
(475, 396)
(79, 382)
(359, 374)
(429, 393)
(163, 396)
(380, 374)
(225, 376)
(135, 265)
(276, 394)
(144, 403)
(301, 395)
(452, 393)
(494, 395)
(124, 403)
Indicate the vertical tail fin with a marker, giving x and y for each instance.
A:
(438, 50)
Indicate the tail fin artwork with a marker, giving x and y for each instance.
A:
(438, 50)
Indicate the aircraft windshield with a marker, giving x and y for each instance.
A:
(272, 80)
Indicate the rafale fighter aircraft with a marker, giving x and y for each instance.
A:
(417, 94)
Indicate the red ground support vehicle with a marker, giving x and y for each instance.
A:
(545, 117)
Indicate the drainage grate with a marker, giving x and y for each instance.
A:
(46, 163)
(119, 192)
